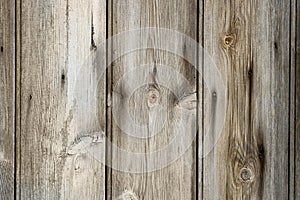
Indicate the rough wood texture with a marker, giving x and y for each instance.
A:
(176, 181)
(57, 103)
(57, 52)
(7, 98)
(250, 42)
(296, 53)
(293, 105)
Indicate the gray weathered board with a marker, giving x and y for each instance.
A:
(57, 109)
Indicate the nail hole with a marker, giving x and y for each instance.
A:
(1, 48)
(250, 72)
(30, 96)
(63, 78)
(214, 95)
(275, 45)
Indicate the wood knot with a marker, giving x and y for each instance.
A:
(128, 195)
(229, 41)
(246, 175)
(82, 144)
(153, 97)
(188, 102)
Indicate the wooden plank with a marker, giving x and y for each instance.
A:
(293, 92)
(297, 105)
(177, 180)
(250, 44)
(57, 43)
(7, 98)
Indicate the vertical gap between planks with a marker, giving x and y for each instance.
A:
(197, 107)
(15, 101)
(202, 103)
(106, 93)
(295, 98)
(107, 111)
(20, 96)
(289, 105)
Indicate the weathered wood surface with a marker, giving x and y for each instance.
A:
(250, 41)
(7, 98)
(295, 52)
(178, 180)
(49, 67)
(55, 44)
(294, 108)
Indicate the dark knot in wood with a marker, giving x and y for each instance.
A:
(246, 175)
(229, 41)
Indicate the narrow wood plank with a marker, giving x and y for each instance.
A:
(57, 43)
(7, 98)
(226, 38)
(250, 44)
(271, 82)
(293, 92)
(297, 105)
(176, 181)
(84, 174)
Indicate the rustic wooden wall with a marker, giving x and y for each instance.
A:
(49, 114)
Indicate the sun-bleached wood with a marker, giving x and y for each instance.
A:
(49, 77)
(295, 177)
(7, 98)
(176, 181)
(57, 50)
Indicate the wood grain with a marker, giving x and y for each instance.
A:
(176, 181)
(7, 98)
(296, 139)
(250, 43)
(57, 102)
(57, 42)
(293, 105)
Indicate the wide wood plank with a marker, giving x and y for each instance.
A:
(249, 41)
(144, 103)
(7, 98)
(59, 40)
